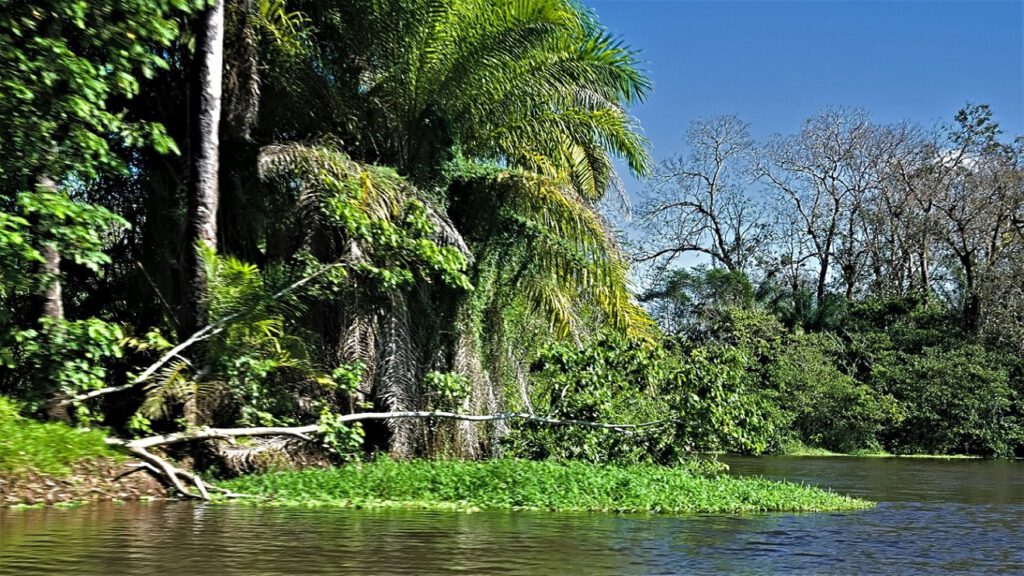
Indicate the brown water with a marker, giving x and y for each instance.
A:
(934, 517)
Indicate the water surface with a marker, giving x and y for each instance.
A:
(934, 517)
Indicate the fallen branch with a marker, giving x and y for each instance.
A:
(138, 468)
(204, 333)
(172, 475)
(169, 474)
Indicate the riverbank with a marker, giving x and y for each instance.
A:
(89, 480)
(45, 463)
(531, 485)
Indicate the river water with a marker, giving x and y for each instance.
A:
(933, 517)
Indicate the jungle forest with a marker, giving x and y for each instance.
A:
(249, 235)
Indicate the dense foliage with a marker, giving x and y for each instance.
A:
(687, 400)
(892, 375)
(300, 209)
(335, 206)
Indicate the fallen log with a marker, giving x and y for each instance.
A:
(172, 475)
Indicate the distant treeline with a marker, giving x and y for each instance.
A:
(872, 274)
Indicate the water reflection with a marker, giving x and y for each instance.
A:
(898, 479)
(936, 517)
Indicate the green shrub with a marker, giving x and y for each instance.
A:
(829, 408)
(609, 380)
(957, 400)
(700, 395)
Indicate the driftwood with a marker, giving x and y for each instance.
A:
(172, 476)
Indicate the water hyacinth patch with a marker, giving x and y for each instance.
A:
(534, 485)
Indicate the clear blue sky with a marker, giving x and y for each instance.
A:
(774, 63)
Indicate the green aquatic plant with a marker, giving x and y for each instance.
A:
(507, 484)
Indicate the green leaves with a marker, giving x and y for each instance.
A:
(954, 400)
(78, 231)
(398, 236)
(343, 438)
(702, 397)
(72, 356)
(448, 390)
(69, 356)
(61, 65)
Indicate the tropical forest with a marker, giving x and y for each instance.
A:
(367, 271)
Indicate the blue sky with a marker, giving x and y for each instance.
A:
(775, 63)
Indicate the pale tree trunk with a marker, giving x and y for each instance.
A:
(52, 308)
(53, 301)
(925, 280)
(204, 159)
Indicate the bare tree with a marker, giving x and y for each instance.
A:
(897, 237)
(977, 198)
(699, 203)
(824, 174)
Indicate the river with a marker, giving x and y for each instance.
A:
(933, 517)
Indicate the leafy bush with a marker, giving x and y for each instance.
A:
(709, 390)
(828, 407)
(957, 400)
(699, 397)
(45, 356)
(609, 380)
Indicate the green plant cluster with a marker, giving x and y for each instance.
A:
(44, 355)
(506, 484)
(880, 374)
(686, 400)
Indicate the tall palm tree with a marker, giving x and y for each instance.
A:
(505, 117)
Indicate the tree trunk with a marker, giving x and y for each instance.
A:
(972, 300)
(925, 280)
(52, 308)
(204, 147)
(52, 299)
(822, 285)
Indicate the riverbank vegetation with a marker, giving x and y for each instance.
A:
(869, 276)
(51, 448)
(247, 234)
(531, 485)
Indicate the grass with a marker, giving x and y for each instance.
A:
(28, 446)
(530, 485)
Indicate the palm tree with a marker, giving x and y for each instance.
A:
(505, 118)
